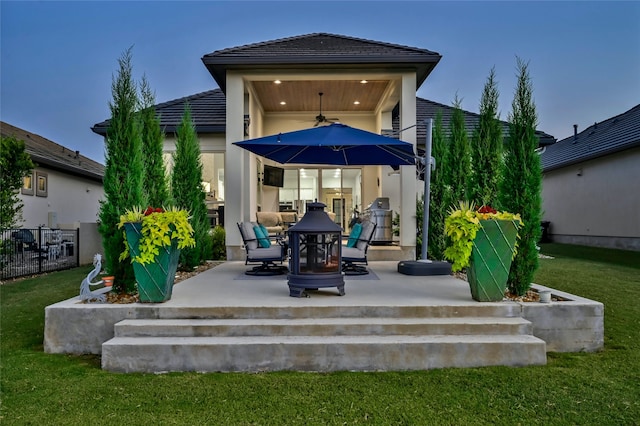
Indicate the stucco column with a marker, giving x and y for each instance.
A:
(236, 165)
(408, 173)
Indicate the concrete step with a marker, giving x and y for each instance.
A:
(321, 327)
(435, 310)
(319, 353)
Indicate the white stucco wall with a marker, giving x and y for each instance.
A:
(596, 202)
(71, 199)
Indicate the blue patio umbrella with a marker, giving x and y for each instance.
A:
(335, 144)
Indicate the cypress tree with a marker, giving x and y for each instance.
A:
(457, 158)
(186, 187)
(123, 172)
(522, 180)
(155, 178)
(15, 164)
(437, 203)
(486, 148)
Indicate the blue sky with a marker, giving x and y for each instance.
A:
(58, 58)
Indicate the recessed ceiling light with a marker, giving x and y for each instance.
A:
(277, 82)
(363, 81)
(356, 102)
(283, 103)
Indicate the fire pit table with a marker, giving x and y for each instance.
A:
(315, 256)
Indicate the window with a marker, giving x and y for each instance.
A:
(42, 184)
(27, 184)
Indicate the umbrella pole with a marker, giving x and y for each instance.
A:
(427, 161)
(424, 266)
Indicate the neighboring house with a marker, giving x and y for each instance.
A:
(64, 188)
(590, 184)
(273, 87)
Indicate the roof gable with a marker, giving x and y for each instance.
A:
(607, 137)
(313, 50)
(55, 156)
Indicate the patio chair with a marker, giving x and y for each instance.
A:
(270, 220)
(262, 249)
(25, 241)
(354, 252)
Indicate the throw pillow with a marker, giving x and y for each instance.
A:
(263, 239)
(354, 235)
(264, 230)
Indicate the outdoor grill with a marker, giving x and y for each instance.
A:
(315, 253)
(379, 213)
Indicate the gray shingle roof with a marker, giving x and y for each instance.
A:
(54, 156)
(209, 116)
(426, 109)
(610, 136)
(208, 110)
(310, 50)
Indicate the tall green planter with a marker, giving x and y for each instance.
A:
(155, 279)
(491, 256)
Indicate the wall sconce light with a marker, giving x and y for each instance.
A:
(247, 122)
(579, 171)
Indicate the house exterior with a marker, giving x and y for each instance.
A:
(274, 87)
(590, 184)
(65, 187)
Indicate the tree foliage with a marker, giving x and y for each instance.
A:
(437, 201)
(522, 180)
(15, 164)
(186, 187)
(123, 172)
(155, 178)
(486, 149)
(457, 157)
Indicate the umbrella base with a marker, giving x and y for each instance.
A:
(422, 268)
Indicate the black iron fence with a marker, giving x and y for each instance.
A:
(35, 251)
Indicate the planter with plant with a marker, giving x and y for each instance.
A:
(484, 242)
(154, 238)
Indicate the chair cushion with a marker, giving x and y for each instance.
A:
(365, 235)
(262, 236)
(352, 254)
(249, 235)
(264, 230)
(354, 235)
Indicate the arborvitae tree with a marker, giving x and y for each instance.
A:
(186, 187)
(123, 173)
(522, 180)
(155, 178)
(457, 159)
(437, 203)
(15, 164)
(486, 149)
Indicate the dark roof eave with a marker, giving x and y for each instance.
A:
(54, 165)
(590, 157)
(218, 67)
(101, 129)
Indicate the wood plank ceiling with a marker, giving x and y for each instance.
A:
(302, 96)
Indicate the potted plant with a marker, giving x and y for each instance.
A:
(484, 241)
(154, 238)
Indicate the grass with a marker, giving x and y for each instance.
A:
(577, 388)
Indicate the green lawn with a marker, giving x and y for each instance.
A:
(578, 388)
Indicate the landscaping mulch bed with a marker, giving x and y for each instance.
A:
(125, 298)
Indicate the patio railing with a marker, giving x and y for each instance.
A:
(34, 251)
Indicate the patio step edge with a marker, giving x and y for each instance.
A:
(321, 326)
(319, 353)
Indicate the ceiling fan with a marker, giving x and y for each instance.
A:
(321, 118)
